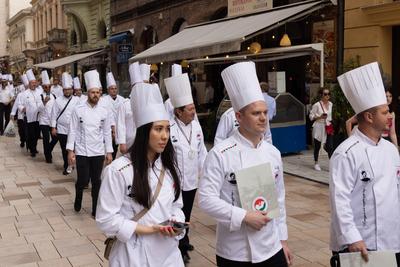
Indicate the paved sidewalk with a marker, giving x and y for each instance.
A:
(302, 165)
(38, 226)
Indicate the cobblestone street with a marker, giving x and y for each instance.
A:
(38, 226)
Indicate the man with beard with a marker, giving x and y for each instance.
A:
(89, 136)
(61, 116)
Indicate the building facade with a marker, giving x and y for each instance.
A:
(372, 33)
(8, 8)
(20, 38)
(88, 24)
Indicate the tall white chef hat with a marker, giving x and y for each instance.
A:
(110, 80)
(10, 77)
(363, 87)
(179, 90)
(92, 80)
(176, 70)
(145, 72)
(24, 80)
(30, 75)
(77, 84)
(242, 84)
(45, 78)
(66, 80)
(134, 73)
(151, 106)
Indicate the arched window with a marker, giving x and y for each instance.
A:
(101, 30)
(80, 30)
(149, 37)
(74, 39)
(220, 13)
(179, 25)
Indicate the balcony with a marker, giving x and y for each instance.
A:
(56, 36)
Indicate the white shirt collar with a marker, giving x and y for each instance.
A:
(365, 138)
(247, 142)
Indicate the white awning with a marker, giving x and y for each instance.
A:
(65, 60)
(223, 36)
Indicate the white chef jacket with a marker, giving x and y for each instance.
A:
(190, 169)
(228, 125)
(125, 126)
(219, 197)
(115, 210)
(366, 210)
(45, 110)
(113, 105)
(57, 90)
(169, 108)
(319, 131)
(89, 132)
(30, 100)
(15, 107)
(6, 94)
(82, 99)
(65, 119)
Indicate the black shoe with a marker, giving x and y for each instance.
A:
(185, 257)
(33, 154)
(22, 144)
(65, 172)
(78, 201)
(190, 247)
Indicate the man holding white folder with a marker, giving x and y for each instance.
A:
(365, 172)
(244, 237)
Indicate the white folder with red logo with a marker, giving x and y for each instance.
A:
(257, 189)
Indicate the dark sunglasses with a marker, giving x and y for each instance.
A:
(326, 93)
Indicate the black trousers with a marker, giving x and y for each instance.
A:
(278, 260)
(115, 148)
(89, 168)
(33, 134)
(328, 147)
(63, 144)
(5, 111)
(47, 144)
(21, 131)
(188, 200)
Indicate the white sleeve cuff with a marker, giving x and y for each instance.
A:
(352, 236)
(237, 217)
(70, 146)
(283, 232)
(126, 231)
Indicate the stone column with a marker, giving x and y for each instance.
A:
(48, 13)
(53, 15)
(60, 15)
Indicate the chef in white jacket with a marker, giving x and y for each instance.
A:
(365, 172)
(143, 242)
(20, 114)
(89, 140)
(61, 116)
(29, 105)
(45, 109)
(188, 140)
(228, 124)
(244, 236)
(56, 88)
(78, 91)
(112, 101)
(125, 124)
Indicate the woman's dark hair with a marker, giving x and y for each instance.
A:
(388, 90)
(140, 190)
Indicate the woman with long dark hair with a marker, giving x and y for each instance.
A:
(141, 191)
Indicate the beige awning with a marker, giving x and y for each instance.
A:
(65, 60)
(223, 36)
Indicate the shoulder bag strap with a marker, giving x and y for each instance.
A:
(322, 107)
(138, 216)
(65, 107)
